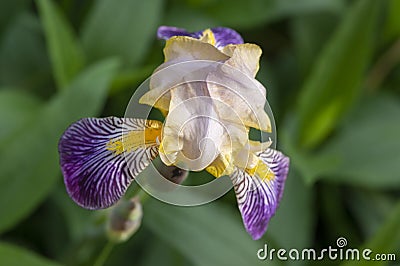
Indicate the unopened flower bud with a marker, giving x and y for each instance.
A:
(124, 219)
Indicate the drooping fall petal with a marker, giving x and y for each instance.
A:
(258, 195)
(100, 157)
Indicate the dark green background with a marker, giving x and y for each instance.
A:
(332, 72)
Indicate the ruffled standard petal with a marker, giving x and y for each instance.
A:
(243, 94)
(258, 196)
(183, 48)
(244, 57)
(100, 157)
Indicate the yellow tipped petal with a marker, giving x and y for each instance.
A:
(244, 57)
(185, 48)
(167, 157)
(155, 99)
(208, 37)
(221, 166)
(263, 122)
(180, 49)
(246, 159)
(261, 170)
(241, 95)
(256, 146)
(192, 127)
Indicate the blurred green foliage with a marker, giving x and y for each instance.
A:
(332, 72)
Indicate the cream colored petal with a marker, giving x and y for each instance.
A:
(157, 100)
(192, 128)
(256, 146)
(208, 37)
(235, 137)
(170, 75)
(178, 52)
(221, 166)
(169, 156)
(244, 57)
(242, 95)
(245, 159)
(186, 48)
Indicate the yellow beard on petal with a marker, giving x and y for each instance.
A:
(262, 171)
(136, 139)
(221, 166)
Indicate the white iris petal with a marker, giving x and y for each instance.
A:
(193, 133)
(209, 107)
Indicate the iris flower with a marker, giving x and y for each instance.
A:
(206, 127)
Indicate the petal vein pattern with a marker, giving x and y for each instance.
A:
(207, 91)
(98, 154)
(258, 195)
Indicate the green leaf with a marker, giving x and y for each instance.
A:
(337, 76)
(77, 219)
(166, 255)
(16, 110)
(366, 152)
(192, 19)
(9, 10)
(29, 161)
(246, 14)
(24, 62)
(384, 241)
(369, 208)
(11, 255)
(125, 79)
(295, 215)
(310, 33)
(65, 51)
(125, 29)
(207, 235)
(392, 24)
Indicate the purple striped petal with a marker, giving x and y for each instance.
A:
(258, 199)
(223, 36)
(96, 170)
(165, 32)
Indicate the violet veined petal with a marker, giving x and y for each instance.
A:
(100, 157)
(166, 32)
(223, 36)
(258, 199)
(279, 165)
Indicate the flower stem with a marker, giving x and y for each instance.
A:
(105, 252)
